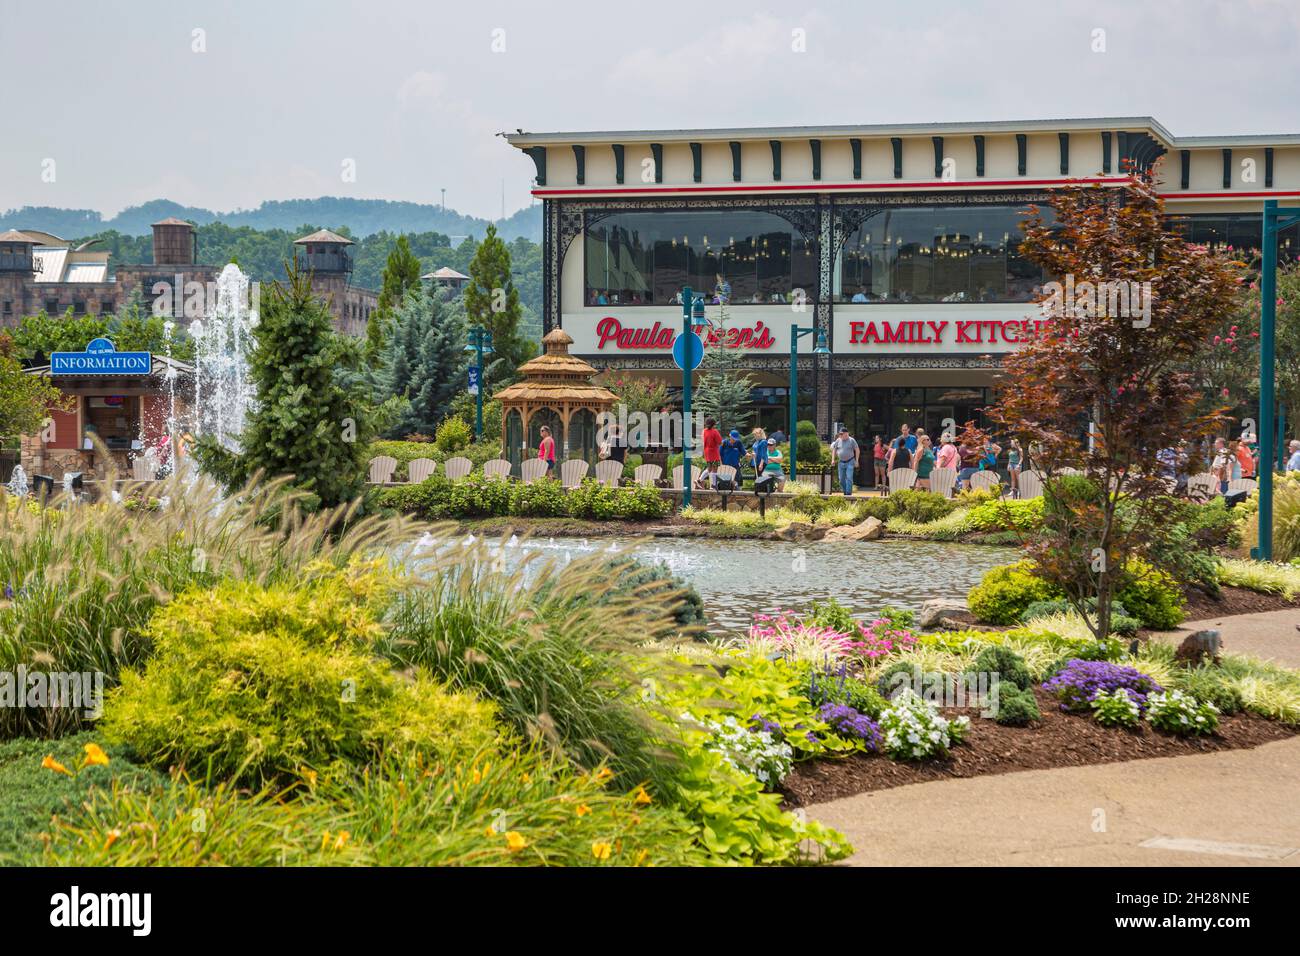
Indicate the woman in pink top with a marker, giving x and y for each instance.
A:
(546, 449)
(948, 456)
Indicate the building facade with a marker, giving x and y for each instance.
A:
(899, 243)
(39, 271)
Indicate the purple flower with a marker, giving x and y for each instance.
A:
(758, 724)
(848, 722)
(1080, 681)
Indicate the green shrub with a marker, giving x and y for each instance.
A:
(453, 435)
(1211, 683)
(920, 506)
(1008, 514)
(1153, 597)
(255, 684)
(478, 496)
(831, 613)
(812, 452)
(1005, 663)
(1005, 592)
(1178, 712)
(827, 685)
(1016, 707)
(654, 583)
(1120, 621)
(882, 509)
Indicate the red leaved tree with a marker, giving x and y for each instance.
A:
(1103, 385)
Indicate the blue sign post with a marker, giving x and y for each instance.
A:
(473, 379)
(101, 358)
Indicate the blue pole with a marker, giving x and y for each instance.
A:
(794, 393)
(688, 299)
(478, 396)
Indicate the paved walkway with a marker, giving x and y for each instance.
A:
(1271, 635)
(1239, 802)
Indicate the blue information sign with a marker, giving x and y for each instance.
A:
(473, 379)
(101, 358)
(688, 351)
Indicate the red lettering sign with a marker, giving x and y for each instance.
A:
(660, 337)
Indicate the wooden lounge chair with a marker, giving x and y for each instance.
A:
(573, 471)
(418, 469)
(496, 468)
(1237, 485)
(676, 473)
(1031, 485)
(143, 468)
(532, 469)
(647, 474)
(1202, 486)
(943, 480)
(984, 481)
(381, 469)
(609, 472)
(457, 468)
(729, 473)
(901, 479)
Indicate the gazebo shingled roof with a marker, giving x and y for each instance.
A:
(554, 380)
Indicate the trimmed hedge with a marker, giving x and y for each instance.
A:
(478, 496)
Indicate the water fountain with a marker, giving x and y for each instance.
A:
(18, 486)
(223, 392)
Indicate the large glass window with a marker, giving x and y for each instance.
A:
(1243, 230)
(736, 256)
(939, 254)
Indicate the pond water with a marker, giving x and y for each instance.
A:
(739, 579)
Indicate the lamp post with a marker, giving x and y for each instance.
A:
(480, 343)
(1273, 223)
(796, 333)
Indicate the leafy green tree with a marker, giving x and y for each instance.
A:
(724, 388)
(492, 301)
(24, 398)
(401, 275)
(131, 330)
(306, 423)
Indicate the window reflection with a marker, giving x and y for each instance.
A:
(939, 254)
(732, 256)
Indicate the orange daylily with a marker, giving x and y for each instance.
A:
(95, 756)
(49, 763)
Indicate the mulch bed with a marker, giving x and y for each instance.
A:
(1201, 606)
(1058, 740)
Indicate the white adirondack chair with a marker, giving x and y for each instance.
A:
(532, 469)
(984, 481)
(728, 473)
(419, 469)
(696, 471)
(609, 472)
(381, 469)
(901, 479)
(1202, 485)
(573, 471)
(497, 468)
(647, 474)
(943, 480)
(1241, 484)
(457, 468)
(1031, 485)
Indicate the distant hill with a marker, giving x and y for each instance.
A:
(364, 217)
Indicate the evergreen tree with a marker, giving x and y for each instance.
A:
(492, 301)
(305, 422)
(424, 362)
(724, 389)
(401, 275)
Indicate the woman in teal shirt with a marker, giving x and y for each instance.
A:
(924, 463)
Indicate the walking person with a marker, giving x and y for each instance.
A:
(732, 450)
(880, 458)
(924, 464)
(758, 451)
(1221, 465)
(846, 453)
(546, 449)
(712, 446)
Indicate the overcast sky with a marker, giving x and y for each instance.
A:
(286, 92)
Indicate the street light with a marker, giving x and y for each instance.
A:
(480, 343)
(692, 314)
(1273, 223)
(796, 333)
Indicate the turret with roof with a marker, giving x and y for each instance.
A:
(324, 251)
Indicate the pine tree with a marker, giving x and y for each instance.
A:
(425, 362)
(724, 389)
(305, 423)
(401, 274)
(492, 301)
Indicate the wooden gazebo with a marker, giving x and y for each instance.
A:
(557, 391)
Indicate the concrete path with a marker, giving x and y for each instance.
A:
(1271, 635)
(1239, 806)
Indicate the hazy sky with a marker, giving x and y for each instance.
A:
(287, 91)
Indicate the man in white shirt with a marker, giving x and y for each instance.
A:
(1293, 463)
(845, 451)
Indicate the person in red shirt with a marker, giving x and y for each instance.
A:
(712, 451)
(1245, 457)
(546, 449)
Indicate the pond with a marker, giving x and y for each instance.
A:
(738, 579)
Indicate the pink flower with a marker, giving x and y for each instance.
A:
(1225, 393)
(1216, 340)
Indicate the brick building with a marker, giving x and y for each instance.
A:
(40, 271)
